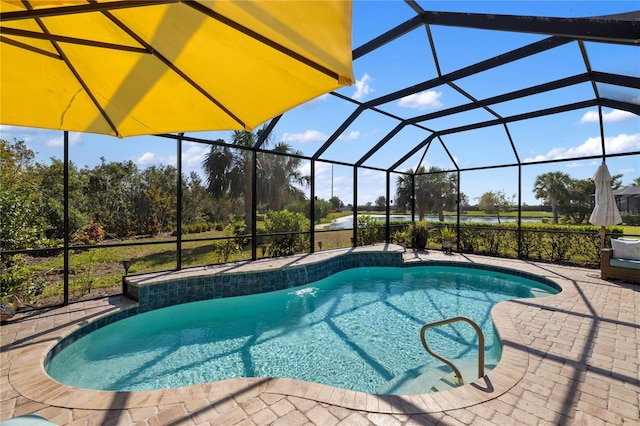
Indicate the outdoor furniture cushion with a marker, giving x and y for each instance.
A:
(626, 263)
(626, 249)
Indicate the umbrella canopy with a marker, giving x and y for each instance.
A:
(132, 67)
(606, 211)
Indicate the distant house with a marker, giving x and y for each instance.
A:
(628, 199)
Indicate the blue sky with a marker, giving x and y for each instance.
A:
(408, 61)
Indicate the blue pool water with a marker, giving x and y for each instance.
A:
(358, 329)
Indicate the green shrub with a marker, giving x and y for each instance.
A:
(631, 219)
(538, 241)
(289, 225)
(419, 234)
(229, 246)
(15, 280)
(367, 230)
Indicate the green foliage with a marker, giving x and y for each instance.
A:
(196, 228)
(447, 233)
(322, 209)
(229, 246)
(494, 202)
(368, 230)
(552, 187)
(556, 243)
(629, 219)
(21, 202)
(402, 236)
(336, 203)
(15, 280)
(435, 191)
(230, 170)
(290, 224)
(420, 234)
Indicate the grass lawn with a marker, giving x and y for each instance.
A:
(102, 267)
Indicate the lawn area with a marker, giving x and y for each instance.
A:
(101, 268)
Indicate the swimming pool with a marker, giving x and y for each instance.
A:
(357, 329)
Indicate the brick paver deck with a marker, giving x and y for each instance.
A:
(571, 358)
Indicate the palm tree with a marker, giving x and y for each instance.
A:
(552, 187)
(404, 184)
(435, 191)
(230, 173)
(281, 177)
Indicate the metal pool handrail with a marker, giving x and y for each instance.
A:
(445, 360)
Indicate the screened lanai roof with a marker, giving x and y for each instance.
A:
(441, 83)
(469, 86)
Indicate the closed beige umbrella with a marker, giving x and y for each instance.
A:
(606, 211)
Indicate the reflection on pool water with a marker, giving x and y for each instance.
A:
(358, 329)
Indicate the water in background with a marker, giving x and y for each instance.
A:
(346, 222)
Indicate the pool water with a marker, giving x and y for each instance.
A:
(358, 329)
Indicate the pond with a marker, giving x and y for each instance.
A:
(346, 222)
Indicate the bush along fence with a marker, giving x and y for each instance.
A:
(571, 244)
(558, 243)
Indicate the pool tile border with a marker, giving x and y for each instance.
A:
(28, 377)
(154, 291)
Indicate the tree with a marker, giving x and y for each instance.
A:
(381, 201)
(636, 182)
(230, 171)
(494, 202)
(52, 189)
(21, 220)
(322, 209)
(336, 203)
(552, 187)
(114, 195)
(404, 184)
(159, 183)
(579, 203)
(280, 177)
(288, 225)
(435, 191)
(197, 205)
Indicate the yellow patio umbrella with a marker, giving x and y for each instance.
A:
(128, 68)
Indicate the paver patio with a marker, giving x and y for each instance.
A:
(572, 358)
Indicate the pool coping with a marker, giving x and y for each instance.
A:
(28, 376)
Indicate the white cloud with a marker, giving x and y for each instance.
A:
(574, 165)
(74, 139)
(607, 117)
(146, 159)
(592, 146)
(363, 87)
(423, 100)
(353, 135)
(150, 159)
(304, 137)
(194, 154)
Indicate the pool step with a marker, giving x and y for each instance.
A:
(433, 379)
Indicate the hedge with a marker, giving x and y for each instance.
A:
(555, 243)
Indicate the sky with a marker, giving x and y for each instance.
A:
(408, 61)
